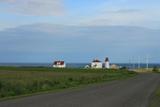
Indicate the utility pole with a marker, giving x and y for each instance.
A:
(139, 62)
(133, 63)
(130, 63)
(147, 62)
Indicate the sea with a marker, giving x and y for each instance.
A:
(79, 65)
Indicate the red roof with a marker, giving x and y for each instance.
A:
(59, 63)
(96, 60)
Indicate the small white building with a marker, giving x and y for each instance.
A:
(114, 66)
(96, 64)
(59, 64)
(107, 63)
(87, 66)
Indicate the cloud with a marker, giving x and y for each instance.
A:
(128, 17)
(123, 11)
(77, 42)
(9, 1)
(35, 7)
(143, 13)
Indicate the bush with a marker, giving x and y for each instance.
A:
(124, 68)
(155, 69)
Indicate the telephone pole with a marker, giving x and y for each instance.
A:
(133, 63)
(139, 62)
(147, 62)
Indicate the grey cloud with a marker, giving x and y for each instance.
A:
(36, 7)
(77, 42)
(8, 1)
(127, 17)
(124, 11)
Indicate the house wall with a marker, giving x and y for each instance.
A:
(59, 66)
(96, 65)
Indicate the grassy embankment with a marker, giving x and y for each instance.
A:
(17, 81)
(155, 99)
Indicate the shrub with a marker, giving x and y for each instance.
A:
(124, 68)
(155, 69)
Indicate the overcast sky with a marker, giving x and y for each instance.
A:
(80, 12)
(33, 16)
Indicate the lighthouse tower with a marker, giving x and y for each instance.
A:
(107, 64)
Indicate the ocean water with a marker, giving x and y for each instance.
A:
(75, 65)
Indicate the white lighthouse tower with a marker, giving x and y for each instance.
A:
(107, 64)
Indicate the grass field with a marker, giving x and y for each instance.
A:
(155, 101)
(16, 81)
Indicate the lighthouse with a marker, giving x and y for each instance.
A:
(107, 64)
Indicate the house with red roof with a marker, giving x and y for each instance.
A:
(96, 64)
(59, 64)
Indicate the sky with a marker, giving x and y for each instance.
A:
(80, 12)
(64, 24)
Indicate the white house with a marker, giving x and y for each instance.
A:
(96, 64)
(107, 63)
(59, 64)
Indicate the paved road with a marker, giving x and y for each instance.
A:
(134, 92)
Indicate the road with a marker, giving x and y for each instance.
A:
(134, 92)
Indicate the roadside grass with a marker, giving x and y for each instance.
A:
(17, 81)
(144, 70)
(155, 100)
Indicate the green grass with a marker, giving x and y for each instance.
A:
(17, 81)
(155, 100)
